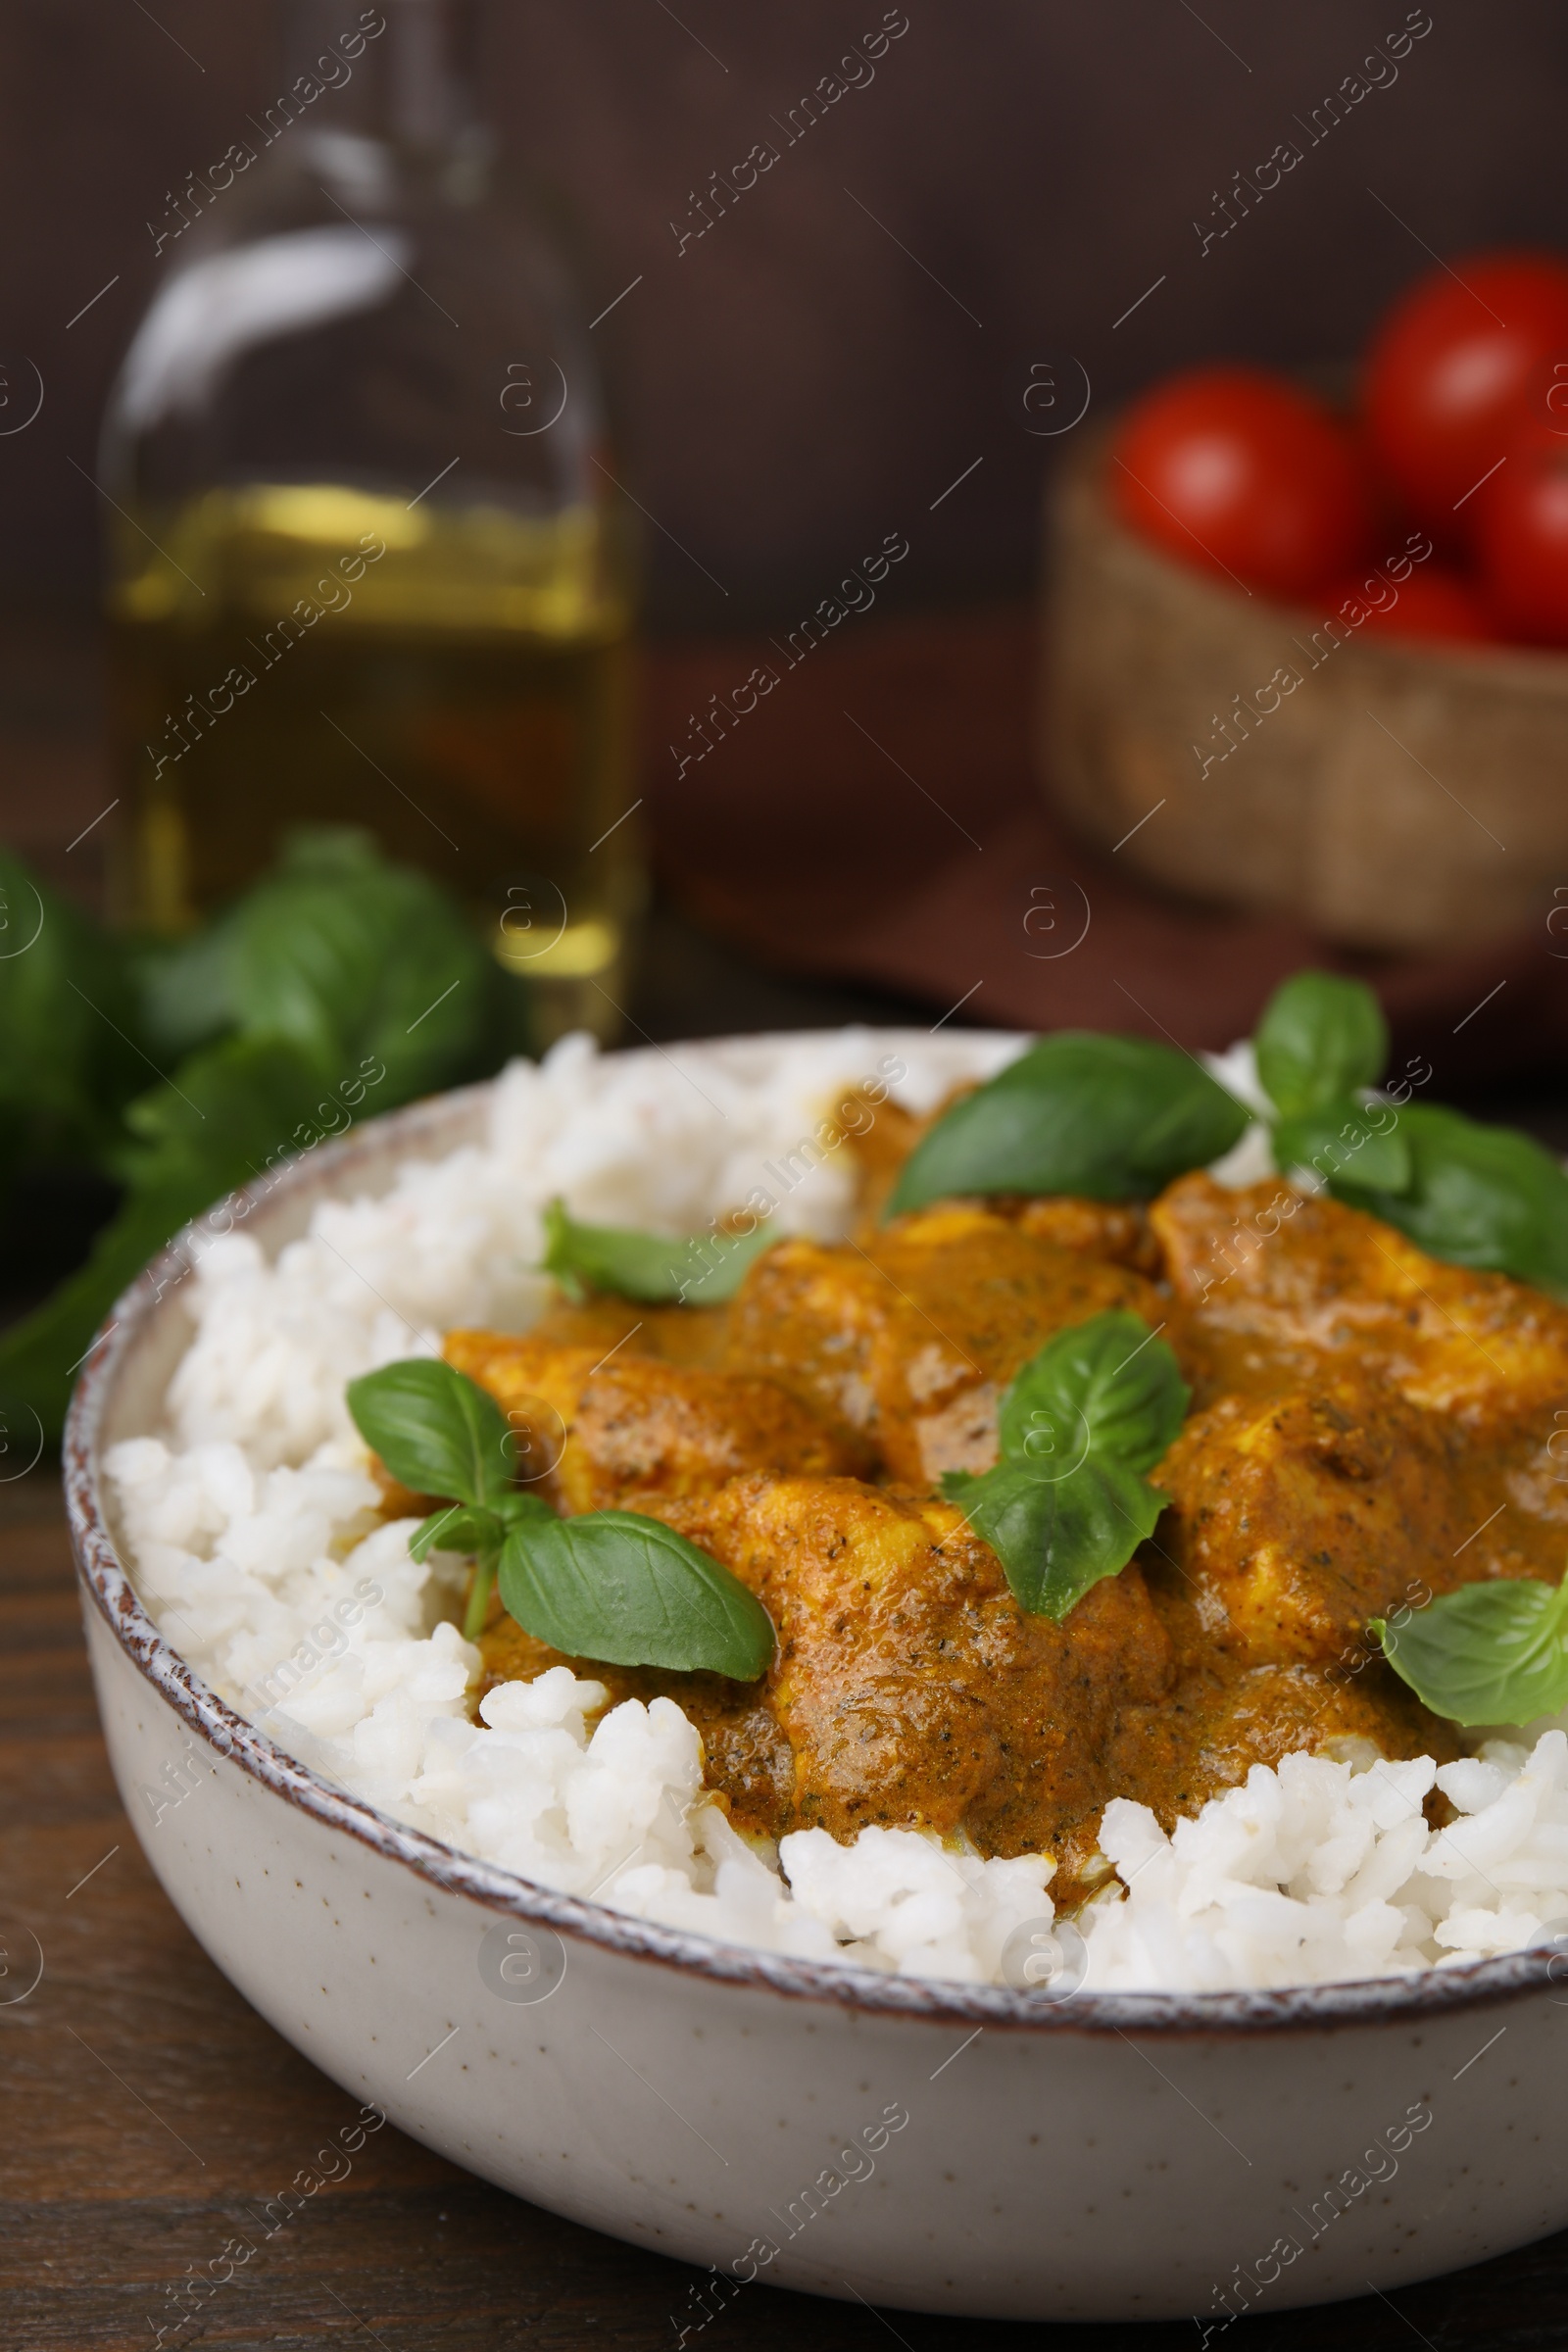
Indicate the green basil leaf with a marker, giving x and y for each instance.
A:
(39, 1353)
(232, 1108)
(332, 953)
(1066, 1505)
(184, 988)
(457, 1527)
(701, 1270)
(1478, 1196)
(616, 1587)
(518, 1503)
(436, 1430)
(1108, 1117)
(1320, 1037)
(1493, 1653)
(1108, 1389)
(1056, 1537)
(1346, 1142)
(481, 1533)
(349, 956)
(67, 1066)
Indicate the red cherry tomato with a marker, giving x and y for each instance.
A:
(1237, 471)
(1456, 365)
(1521, 534)
(1432, 602)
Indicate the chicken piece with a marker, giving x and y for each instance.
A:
(1219, 1719)
(681, 1335)
(912, 1687)
(1115, 1229)
(1295, 1519)
(1274, 1711)
(1281, 1291)
(1280, 1288)
(910, 1338)
(597, 1431)
(881, 1136)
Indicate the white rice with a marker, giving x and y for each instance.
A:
(251, 1523)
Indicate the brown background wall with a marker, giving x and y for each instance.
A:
(796, 384)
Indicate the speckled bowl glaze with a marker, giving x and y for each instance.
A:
(936, 2146)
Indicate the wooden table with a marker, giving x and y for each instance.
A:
(146, 2111)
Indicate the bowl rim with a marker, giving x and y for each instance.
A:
(1392, 2000)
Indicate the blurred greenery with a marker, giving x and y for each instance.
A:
(338, 987)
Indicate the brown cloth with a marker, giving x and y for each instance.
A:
(875, 817)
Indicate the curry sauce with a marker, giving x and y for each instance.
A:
(1370, 1427)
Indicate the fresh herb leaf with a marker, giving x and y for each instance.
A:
(436, 1430)
(703, 1270)
(1067, 1504)
(348, 957)
(39, 1353)
(67, 1066)
(1493, 1653)
(616, 1587)
(461, 1527)
(440, 1433)
(1108, 1388)
(233, 1106)
(184, 988)
(1319, 1039)
(335, 966)
(469, 1528)
(1478, 1196)
(456, 1527)
(611, 1586)
(1058, 1536)
(1111, 1118)
(1347, 1142)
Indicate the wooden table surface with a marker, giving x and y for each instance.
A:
(146, 2113)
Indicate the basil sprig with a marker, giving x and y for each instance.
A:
(1116, 1118)
(441, 1433)
(1319, 1040)
(1321, 1044)
(1067, 1502)
(1493, 1653)
(336, 987)
(613, 1585)
(1112, 1118)
(703, 1269)
(1349, 1135)
(1478, 1196)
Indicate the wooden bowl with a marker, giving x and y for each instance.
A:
(1392, 794)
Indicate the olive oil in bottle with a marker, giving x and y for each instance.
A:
(369, 563)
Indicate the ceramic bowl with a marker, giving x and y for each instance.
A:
(942, 2148)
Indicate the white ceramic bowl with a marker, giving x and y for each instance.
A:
(942, 2148)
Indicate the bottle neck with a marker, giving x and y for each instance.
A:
(396, 71)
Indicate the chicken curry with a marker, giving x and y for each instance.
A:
(1369, 1427)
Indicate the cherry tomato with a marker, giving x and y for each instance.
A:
(1521, 534)
(1456, 365)
(1432, 602)
(1237, 471)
